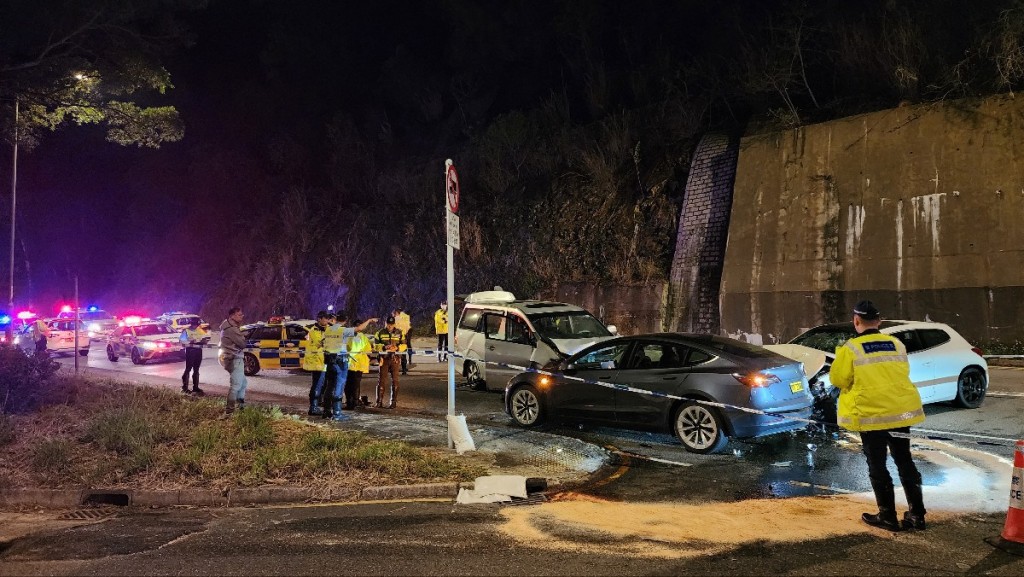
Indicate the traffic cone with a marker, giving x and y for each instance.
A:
(1013, 530)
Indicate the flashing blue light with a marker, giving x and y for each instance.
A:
(5, 320)
(93, 308)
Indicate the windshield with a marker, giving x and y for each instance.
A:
(570, 325)
(150, 330)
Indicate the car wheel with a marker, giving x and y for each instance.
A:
(971, 388)
(83, 352)
(699, 428)
(526, 407)
(137, 357)
(473, 377)
(110, 354)
(252, 364)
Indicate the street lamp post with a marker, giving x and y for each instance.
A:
(14, 197)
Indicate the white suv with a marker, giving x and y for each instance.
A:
(496, 328)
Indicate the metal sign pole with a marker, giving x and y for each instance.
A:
(451, 187)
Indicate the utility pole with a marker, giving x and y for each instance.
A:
(14, 196)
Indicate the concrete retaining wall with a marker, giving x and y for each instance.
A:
(916, 207)
(633, 309)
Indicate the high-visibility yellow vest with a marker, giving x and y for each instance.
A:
(336, 337)
(875, 390)
(358, 351)
(441, 322)
(390, 341)
(313, 357)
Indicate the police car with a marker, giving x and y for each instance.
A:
(178, 321)
(143, 340)
(60, 341)
(96, 322)
(279, 343)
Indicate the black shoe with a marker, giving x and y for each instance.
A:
(198, 392)
(912, 521)
(881, 522)
(184, 390)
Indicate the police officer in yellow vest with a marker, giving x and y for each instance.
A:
(358, 363)
(391, 347)
(192, 339)
(878, 399)
(441, 330)
(313, 361)
(336, 337)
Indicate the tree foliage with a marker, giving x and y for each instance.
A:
(90, 62)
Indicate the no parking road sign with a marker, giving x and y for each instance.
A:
(451, 178)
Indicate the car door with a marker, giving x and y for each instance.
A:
(581, 396)
(655, 366)
(922, 373)
(291, 347)
(946, 363)
(267, 341)
(507, 349)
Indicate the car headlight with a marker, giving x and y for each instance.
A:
(149, 345)
(94, 328)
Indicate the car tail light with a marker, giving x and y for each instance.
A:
(754, 380)
(978, 351)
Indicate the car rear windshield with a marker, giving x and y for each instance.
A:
(735, 348)
(150, 330)
(568, 325)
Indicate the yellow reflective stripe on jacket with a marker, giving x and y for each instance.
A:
(873, 377)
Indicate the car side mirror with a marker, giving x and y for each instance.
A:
(566, 367)
(613, 329)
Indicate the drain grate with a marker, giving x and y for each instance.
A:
(86, 514)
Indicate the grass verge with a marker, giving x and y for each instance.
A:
(118, 435)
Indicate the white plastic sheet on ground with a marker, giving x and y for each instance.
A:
(460, 434)
(493, 489)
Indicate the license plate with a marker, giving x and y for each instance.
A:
(796, 386)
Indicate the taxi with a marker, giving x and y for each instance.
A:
(61, 340)
(279, 343)
(143, 340)
(179, 320)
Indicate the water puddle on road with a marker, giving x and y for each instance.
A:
(970, 481)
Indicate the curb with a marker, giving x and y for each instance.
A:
(72, 498)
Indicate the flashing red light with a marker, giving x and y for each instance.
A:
(25, 315)
(132, 321)
(65, 309)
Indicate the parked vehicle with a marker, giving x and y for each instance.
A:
(142, 341)
(96, 322)
(278, 344)
(497, 328)
(943, 365)
(180, 320)
(61, 340)
(689, 366)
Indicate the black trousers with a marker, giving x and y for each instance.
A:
(193, 358)
(352, 383)
(442, 345)
(877, 446)
(41, 344)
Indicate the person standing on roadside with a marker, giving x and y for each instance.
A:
(878, 400)
(313, 361)
(232, 355)
(358, 364)
(404, 324)
(390, 346)
(40, 332)
(441, 329)
(192, 339)
(336, 337)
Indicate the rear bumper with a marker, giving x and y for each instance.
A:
(746, 425)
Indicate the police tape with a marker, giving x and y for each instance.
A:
(919, 433)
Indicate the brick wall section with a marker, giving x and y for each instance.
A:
(696, 272)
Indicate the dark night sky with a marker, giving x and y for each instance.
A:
(266, 79)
